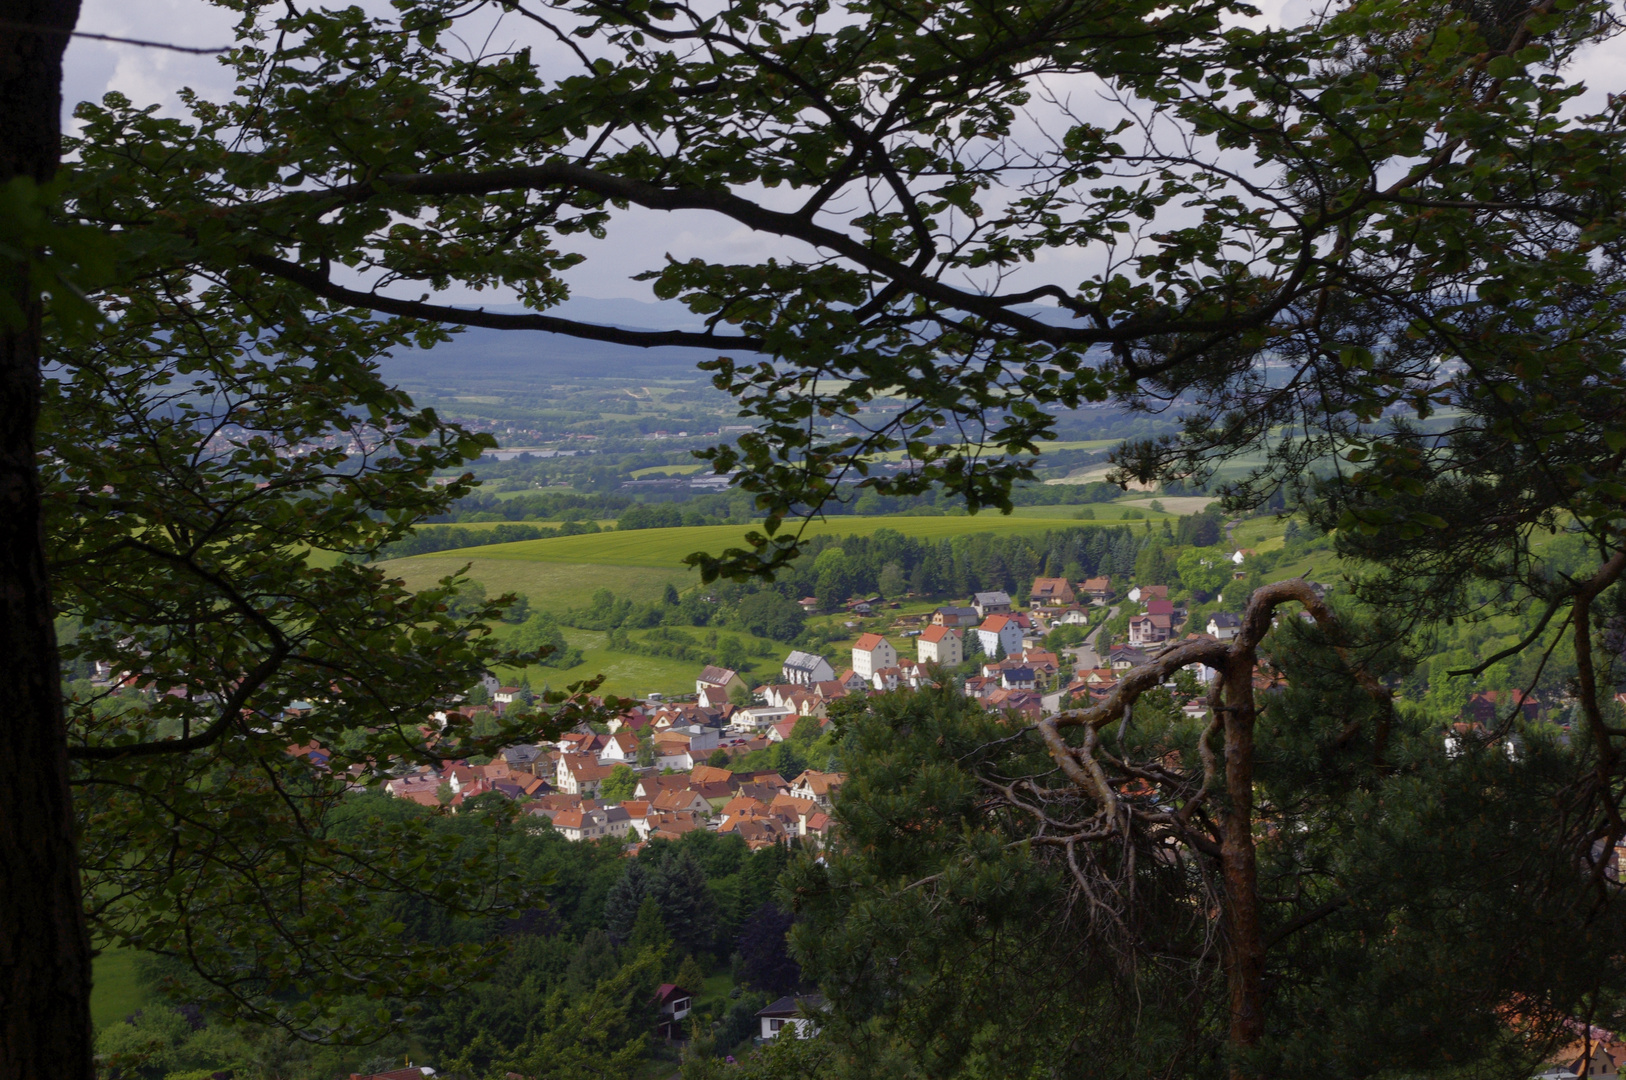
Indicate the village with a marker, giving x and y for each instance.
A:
(666, 767)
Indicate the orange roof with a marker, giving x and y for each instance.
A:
(743, 806)
(675, 800)
(819, 782)
(868, 642)
(995, 623)
(937, 633)
(793, 804)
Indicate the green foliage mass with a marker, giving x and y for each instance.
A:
(540, 636)
(1427, 230)
(945, 923)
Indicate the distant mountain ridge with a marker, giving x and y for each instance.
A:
(476, 355)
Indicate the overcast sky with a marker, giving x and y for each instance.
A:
(637, 240)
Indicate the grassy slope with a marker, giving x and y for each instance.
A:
(1174, 505)
(550, 586)
(115, 993)
(564, 572)
(1264, 534)
(629, 674)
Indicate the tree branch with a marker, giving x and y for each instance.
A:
(320, 284)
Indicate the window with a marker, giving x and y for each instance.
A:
(775, 1025)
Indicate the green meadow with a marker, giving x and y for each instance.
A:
(115, 992)
(667, 548)
(634, 675)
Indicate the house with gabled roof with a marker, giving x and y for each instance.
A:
(576, 825)
(1097, 588)
(652, 783)
(820, 787)
(913, 674)
(805, 668)
(938, 644)
(1051, 592)
(637, 811)
(1149, 629)
(763, 792)
(711, 774)
(717, 683)
(991, 603)
(672, 1005)
(1026, 703)
(1070, 615)
(830, 690)
(633, 720)
(955, 616)
(758, 833)
(1595, 1058)
(1000, 631)
(1123, 657)
(672, 826)
(1142, 593)
(776, 693)
(742, 806)
(1017, 678)
(581, 774)
(671, 801)
(797, 1014)
(620, 748)
(521, 758)
(674, 754)
(886, 679)
(1042, 661)
(582, 742)
(871, 652)
(854, 682)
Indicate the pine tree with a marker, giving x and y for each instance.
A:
(690, 975)
(594, 961)
(649, 930)
(765, 960)
(684, 901)
(621, 907)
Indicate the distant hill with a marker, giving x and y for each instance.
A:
(477, 358)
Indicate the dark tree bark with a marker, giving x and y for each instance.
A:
(1243, 940)
(44, 948)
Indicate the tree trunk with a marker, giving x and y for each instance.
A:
(45, 1027)
(1244, 941)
